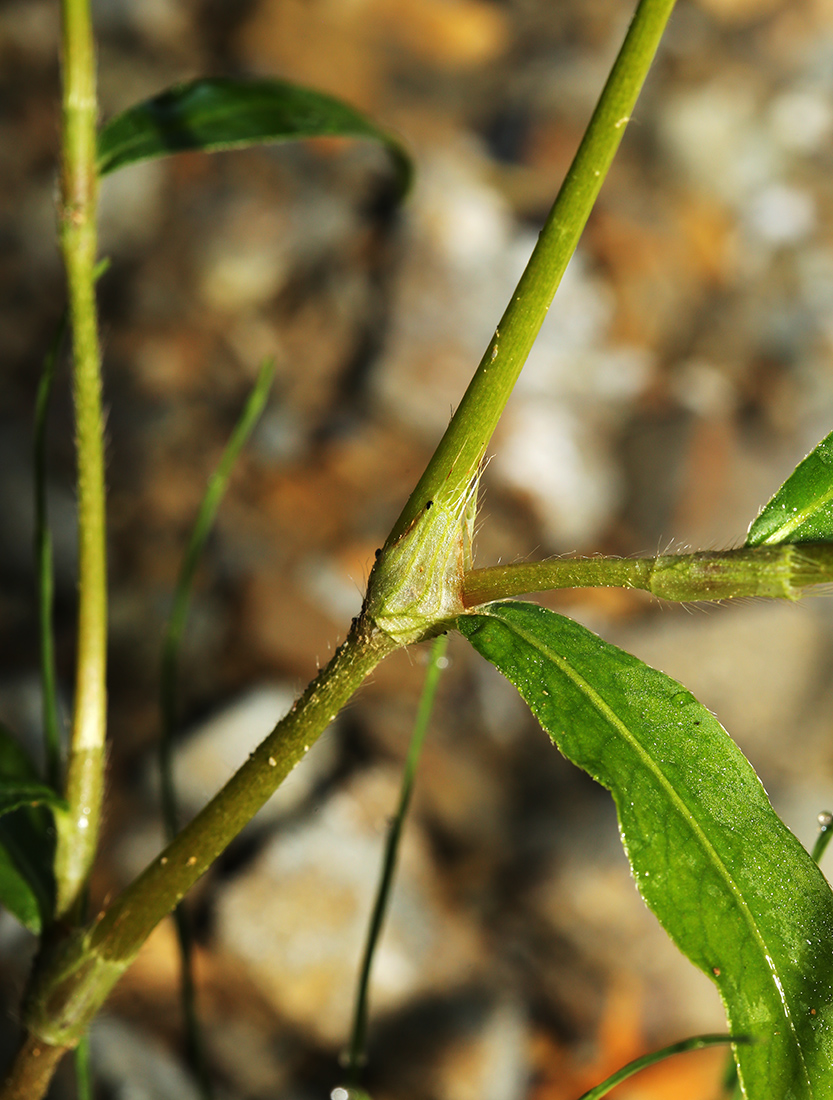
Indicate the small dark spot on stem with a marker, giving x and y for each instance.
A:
(428, 504)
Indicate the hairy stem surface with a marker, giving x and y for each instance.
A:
(76, 977)
(78, 829)
(774, 572)
(461, 449)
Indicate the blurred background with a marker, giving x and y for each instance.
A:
(684, 369)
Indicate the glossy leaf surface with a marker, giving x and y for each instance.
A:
(27, 843)
(802, 509)
(221, 113)
(732, 886)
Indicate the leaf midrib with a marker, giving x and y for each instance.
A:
(798, 518)
(610, 715)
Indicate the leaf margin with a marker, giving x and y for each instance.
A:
(753, 1060)
(128, 137)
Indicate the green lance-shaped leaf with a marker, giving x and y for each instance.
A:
(27, 846)
(732, 886)
(223, 113)
(802, 509)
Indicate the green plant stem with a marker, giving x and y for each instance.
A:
(698, 1042)
(358, 1037)
(131, 918)
(83, 1070)
(78, 829)
(461, 449)
(43, 565)
(217, 485)
(824, 837)
(75, 977)
(776, 572)
(32, 1070)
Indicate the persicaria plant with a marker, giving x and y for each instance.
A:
(730, 884)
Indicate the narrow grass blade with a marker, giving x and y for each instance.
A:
(732, 886)
(698, 1042)
(356, 1050)
(170, 653)
(802, 509)
(224, 113)
(175, 627)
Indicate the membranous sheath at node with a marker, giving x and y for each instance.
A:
(415, 588)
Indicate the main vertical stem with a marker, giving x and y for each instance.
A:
(461, 449)
(78, 829)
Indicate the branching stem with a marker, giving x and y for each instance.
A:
(774, 572)
(459, 453)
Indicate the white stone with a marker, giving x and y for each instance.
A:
(211, 753)
(297, 917)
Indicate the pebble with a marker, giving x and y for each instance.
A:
(209, 754)
(297, 916)
(134, 1066)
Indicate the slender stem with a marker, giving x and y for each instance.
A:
(217, 485)
(358, 1038)
(32, 1070)
(78, 829)
(461, 450)
(175, 628)
(698, 1042)
(825, 835)
(194, 1042)
(775, 572)
(43, 565)
(83, 1070)
(129, 920)
(76, 977)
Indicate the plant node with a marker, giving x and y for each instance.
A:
(415, 588)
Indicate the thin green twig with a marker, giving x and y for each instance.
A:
(77, 830)
(773, 572)
(217, 486)
(83, 1070)
(356, 1055)
(697, 1042)
(825, 835)
(458, 456)
(43, 564)
(43, 551)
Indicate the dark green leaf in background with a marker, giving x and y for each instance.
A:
(802, 509)
(27, 840)
(222, 113)
(16, 793)
(732, 886)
